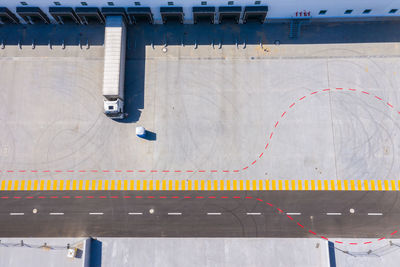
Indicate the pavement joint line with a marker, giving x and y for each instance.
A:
(291, 107)
(135, 213)
(333, 213)
(16, 213)
(253, 213)
(213, 213)
(56, 213)
(277, 211)
(293, 213)
(375, 214)
(175, 213)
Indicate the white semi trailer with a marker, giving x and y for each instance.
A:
(114, 67)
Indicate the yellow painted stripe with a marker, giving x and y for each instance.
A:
(346, 185)
(254, 185)
(119, 185)
(273, 185)
(93, 184)
(183, 185)
(190, 185)
(306, 185)
(29, 186)
(9, 185)
(196, 185)
(215, 185)
(286, 185)
(67, 185)
(55, 182)
(293, 185)
(48, 185)
(3, 185)
(280, 184)
(339, 184)
(352, 185)
(300, 185)
(386, 183)
(379, 185)
(393, 184)
(177, 185)
(319, 184)
(157, 185)
(106, 184)
(221, 184)
(267, 185)
(326, 186)
(312, 185)
(170, 185)
(144, 182)
(359, 185)
(74, 185)
(235, 187)
(112, 185)
(241, 185)
(138, 186)
(365, 184)
(333, 185)
(87, 185)
(373, 185)
(202, 184)
(247, 185)
(22, 185)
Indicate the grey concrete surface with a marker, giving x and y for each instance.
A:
(207, 252)
(209, 108)
(200, 214)
(382, 254)
(30, 254)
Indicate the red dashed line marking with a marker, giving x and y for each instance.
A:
(254, 162)
(202, 171)
(394, 232)
(261, 155)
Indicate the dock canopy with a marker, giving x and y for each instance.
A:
(115, 11)
(64, 15)
(139, 14)
(6, 16)
(255, 13)
(33, 15)
(229, 13)
(203, 13)
(169, 14)
(89, 15)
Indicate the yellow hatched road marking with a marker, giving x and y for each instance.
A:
(312, 185)
(87, 185)
(15, 185)
(112, 185)
(293, 185)
(74, 185)
(300, 185)
(273, 185)
(61, 184)
(3, 185)
(119, 185)
(266, 184)
(254, 185)
(157, 185)
(151, 185)
(170, 185)
(67, 186)
(131, 184)
(398, 184)
(190, 185)
(386, 183)
(202, 184)
(29, 186)
(41, 184)
(247, 185)
(164, 185)
(228, 185)
(359, 185)
(393, 184)
(106, 182)
(93, 184)
(22, 185)
(221, 184)
(209, 185)
(339, 184)
(35, 185)
(373, 185)
(346, 185)
(319, 183)
(352, 185)
(280, 184)
(183, 184)
(326, 186)
(286, 185)
(9, 185)
(100, 185)
(80, 184)
(48, 186)
(144, 182)
(215, 185)
(138, 186)
(241, 185)
(261, 185)
(333, 185)
(55, 182)
(366, 185)
(379, 185)
(196, 185)
(177, 185)
(306, 185)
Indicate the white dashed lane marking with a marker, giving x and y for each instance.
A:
(213, 213)
(293, 213)
(174, 213)
(375, 214)
(96, 213)
(16, 213)
(253, 213)
(135, 213)
(334, 213)
(56, 213)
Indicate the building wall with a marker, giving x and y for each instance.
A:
(278, 9)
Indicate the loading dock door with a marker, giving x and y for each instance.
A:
(255, 13)
(203, 13)
(64, 15)
(6, 16)
(33, 15)
(89, 15)
(170, 14)
(229, 13)
(140, 14)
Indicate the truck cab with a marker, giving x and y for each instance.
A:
(114, 108)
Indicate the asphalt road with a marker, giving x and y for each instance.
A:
(198, 214)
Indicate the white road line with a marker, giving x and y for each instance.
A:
(293, 213)
(213, 213)
(253, 213)
(174, 213)
(375, 214)
(333, 213)
(96, 213)
(56, 213)
(16, 213)
(135, 213)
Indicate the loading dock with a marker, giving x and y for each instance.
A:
(204, 13)
(33, 15)
(255, 13)
(6, 16)
(170, 14)
(115, 11)
(229, 13)
(139, 14)
(64, 15)
(89, 15)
